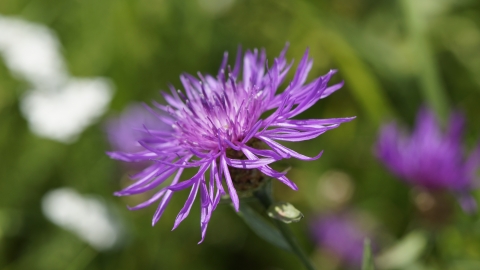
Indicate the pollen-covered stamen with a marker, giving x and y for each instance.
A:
(246, 179)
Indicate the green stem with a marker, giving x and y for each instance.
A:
(287, 233)
(264, 195)
(429, 75)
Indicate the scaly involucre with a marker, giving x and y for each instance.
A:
(429, 158)
(215, 116)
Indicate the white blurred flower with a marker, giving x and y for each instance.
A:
(65, 114)
(32, 52)
(58, 106)
(87, 217)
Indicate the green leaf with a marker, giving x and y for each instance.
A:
(367, 263)
(284, 212)
(262, 227)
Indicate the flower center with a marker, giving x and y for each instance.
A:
(246, 179)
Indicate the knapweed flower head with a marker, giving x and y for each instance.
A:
(341, 234)
(215, 125)
(430, 158)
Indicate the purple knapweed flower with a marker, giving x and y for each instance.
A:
(430, 159)
(341, 234)
(215, 126)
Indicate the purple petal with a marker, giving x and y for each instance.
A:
(313, 123)
(270, 172)
(137, 157)
(330, 90)
(217, 175)
(296, 136)
(248, 164)
(302, 71)
(263, 152)
(166, 198)
(221, 71)
(188, 205)
(191, 181)
(252, 131)
(238, 62)
(207, 206)
(162, 206)
(231, 189)
(147, 184)
(148, 202)
(287, 151)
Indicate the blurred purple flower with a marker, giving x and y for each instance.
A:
(430, 159)
(342, 235)
(216, 127)
(126, 130)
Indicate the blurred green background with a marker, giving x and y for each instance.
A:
(394, 57)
